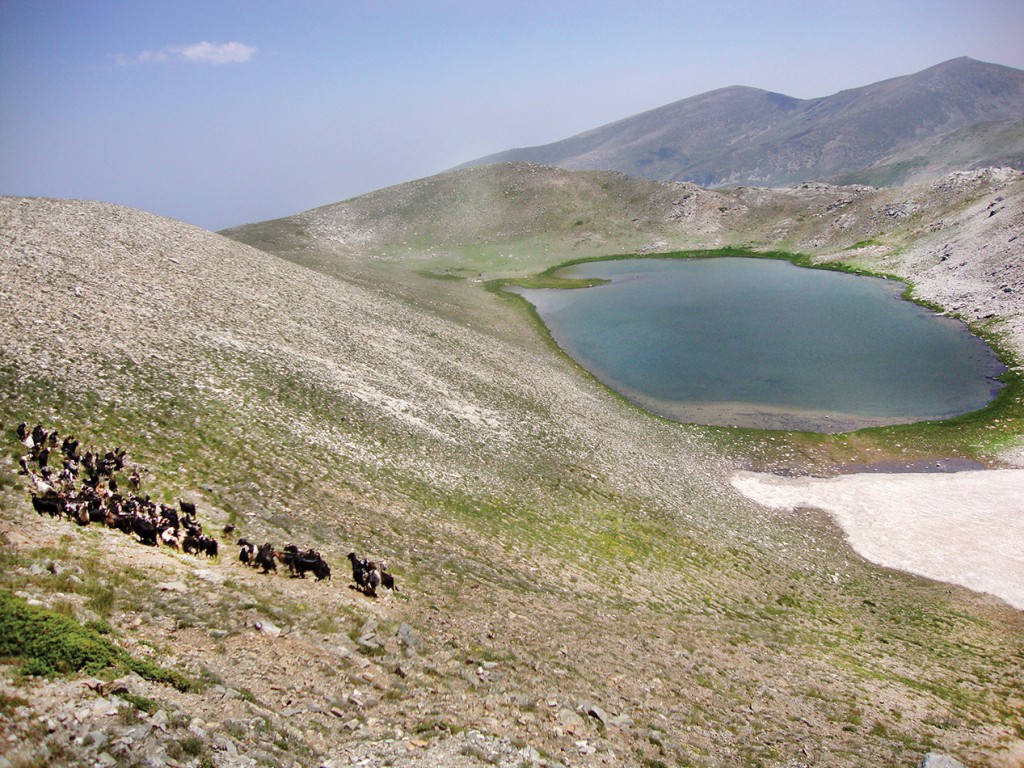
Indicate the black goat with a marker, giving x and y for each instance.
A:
(54, 507)
(266, 558)
(302, 562)
(247, 555)
(198, 543)
(386, 579)
(145, 529)
(367, 576)
(360, 571)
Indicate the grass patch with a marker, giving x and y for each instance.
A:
(49, 643)
(10, 702)
(864, 244)
(141, 703)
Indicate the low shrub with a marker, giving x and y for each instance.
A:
(50, 643)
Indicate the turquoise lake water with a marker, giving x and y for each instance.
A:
(764, 343)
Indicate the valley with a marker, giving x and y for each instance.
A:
(580, 583)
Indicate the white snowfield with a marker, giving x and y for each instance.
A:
(963, 528)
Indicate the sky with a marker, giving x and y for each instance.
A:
(225, 112)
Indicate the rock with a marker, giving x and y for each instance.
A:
(584, 747)
(569, 718)
(586, 708)
(104, 708)
(225, 744)
(208, 576)
(939, 760)
(368, 635)
(268, 627)
(528, 755)
(408, 638)
(98, 739)
(368, 642)
(622, 722)
(130, 683)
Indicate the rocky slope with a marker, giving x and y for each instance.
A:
(579, 584)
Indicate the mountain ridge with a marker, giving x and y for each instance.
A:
(741, 135)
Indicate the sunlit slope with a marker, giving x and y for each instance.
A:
(481, 218)
(515, 218)
(284, 390)
(552, 542)
(996, 143)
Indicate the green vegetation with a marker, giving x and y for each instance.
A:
(49, 643)
(890, 175)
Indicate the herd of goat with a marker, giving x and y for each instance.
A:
(85, 489)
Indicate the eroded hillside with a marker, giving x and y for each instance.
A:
(579, 584)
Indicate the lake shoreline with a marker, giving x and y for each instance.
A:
(736, 341)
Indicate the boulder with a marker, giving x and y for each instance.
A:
(939, 760)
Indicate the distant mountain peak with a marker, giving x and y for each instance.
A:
(741, 135)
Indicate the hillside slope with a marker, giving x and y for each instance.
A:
(742, 135)
(517, 219)
(580, 585)
(994, 144)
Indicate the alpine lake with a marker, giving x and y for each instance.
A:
(763, 343)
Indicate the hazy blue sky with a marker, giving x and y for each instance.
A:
(224, 112)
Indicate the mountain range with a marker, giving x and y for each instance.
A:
(959, 115)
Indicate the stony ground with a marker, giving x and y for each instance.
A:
(579, 583)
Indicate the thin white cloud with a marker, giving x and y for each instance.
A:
(202, 53)
(212, 53)
(152, 57)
